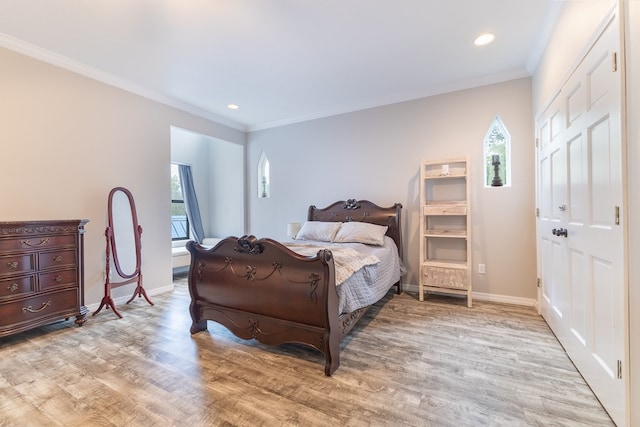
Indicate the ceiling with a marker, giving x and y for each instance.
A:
(282, 61)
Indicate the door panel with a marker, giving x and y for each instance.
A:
(545, 274)
(579, 297)
(558, 185)
(577, 178)
(545, 181)
(575, 103)
(559, 294)
(603, 342)
(602, 187)
(597, 77)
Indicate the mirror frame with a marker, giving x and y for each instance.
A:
(137, 231)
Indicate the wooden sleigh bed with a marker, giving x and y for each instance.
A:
(260, 289)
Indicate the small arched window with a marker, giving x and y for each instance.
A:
(497, 155)
(263, 177)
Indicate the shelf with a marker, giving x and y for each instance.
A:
(445, 169)
(456, 234)
(450, 176)
(445, 290)
(450, 208)
(448, 203)
(445, 227)
(462, 265)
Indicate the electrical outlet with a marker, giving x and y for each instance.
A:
(481, 268)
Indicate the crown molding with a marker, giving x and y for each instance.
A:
(397, 98)
(69, 64)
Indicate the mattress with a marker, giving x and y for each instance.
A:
(369, 283)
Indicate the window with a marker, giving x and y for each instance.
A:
(497, 155)
(179, 221)
(263, 177)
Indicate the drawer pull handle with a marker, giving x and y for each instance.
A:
(58, 278)
(57, 258)
(13, 287)
(31, 310)
(12, 265)
(42, 242)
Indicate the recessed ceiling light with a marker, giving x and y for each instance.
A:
(232, 106)
(484, 39)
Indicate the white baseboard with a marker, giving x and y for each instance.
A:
(481, 296)
(123, 299)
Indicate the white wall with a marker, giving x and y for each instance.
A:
(375, 154)
(226, 189)
(218, 175)
(574, 28)
(66, 140)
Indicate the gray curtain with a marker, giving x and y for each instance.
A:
(191, 202)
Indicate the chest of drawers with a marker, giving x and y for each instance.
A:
(41, 273)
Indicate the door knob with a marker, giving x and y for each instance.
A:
(560, 232)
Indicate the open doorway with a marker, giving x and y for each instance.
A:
(218, 177)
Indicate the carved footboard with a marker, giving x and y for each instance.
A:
(257, 288)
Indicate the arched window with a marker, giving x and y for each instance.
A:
(497, 155)
(263, 176)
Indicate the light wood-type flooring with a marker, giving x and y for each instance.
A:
(436, 363)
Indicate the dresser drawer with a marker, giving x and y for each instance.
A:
(58, 278)
(17, 264)
(445, 210)
(453, 278)
(37, 242)
(43, 307)
(17, 286)
(56, 259)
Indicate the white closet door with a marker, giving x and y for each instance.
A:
(580, 225)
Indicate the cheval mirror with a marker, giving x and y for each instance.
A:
(124, 250)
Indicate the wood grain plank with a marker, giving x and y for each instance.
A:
(435, 363)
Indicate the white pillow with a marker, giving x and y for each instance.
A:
(361, 232)
(318, 230)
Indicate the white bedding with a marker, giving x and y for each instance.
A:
(366, 284)
(346, 260)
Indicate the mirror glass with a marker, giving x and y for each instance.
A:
(125, 237)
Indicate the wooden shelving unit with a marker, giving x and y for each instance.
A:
(445, 226)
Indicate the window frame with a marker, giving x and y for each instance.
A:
(505, 158)
(178, 201)
(264, 179)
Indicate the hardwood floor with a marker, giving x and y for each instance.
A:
(446, 365)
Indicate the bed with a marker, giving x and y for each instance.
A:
(262, 289)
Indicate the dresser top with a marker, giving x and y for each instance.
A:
(42, 226)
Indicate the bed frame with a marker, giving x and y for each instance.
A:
(259, 289)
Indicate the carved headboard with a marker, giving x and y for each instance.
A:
(362, 211)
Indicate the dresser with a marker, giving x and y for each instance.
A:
(41, 273)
